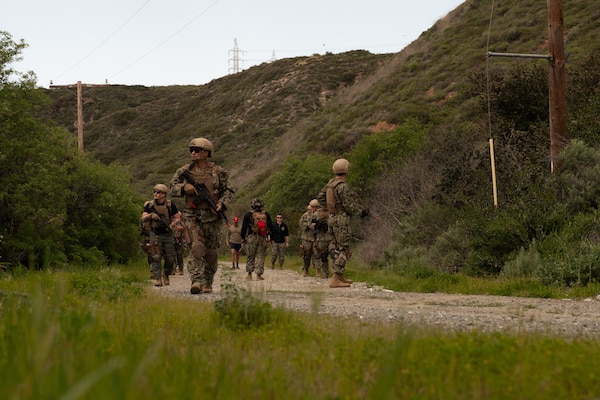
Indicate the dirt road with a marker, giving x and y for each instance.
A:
(287, 288)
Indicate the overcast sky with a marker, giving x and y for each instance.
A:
(185, 42)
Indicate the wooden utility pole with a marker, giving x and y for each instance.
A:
(79, 118)
(79, 108)
(556, 86)
(556, 82)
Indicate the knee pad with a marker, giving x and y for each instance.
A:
(198, 250)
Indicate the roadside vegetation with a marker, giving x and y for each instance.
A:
(103, 333)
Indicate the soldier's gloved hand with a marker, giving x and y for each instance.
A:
(189, 189)
(155, 217)
(364, 213)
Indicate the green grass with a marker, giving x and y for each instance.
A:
(99, 334)
(441, 282)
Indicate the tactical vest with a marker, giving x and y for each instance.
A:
(333, 207)
(210, 176)
(164, 209)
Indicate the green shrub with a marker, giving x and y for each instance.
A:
(450, 248)
(525, 264)
(579, 266)
(239, 310)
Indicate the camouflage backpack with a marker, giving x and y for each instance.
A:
(259, 225)
(330, 195)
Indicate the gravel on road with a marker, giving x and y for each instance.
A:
(447, 312)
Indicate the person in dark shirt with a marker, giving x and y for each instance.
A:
(280, 240)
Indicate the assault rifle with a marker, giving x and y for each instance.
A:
(162, 218)
(202, 195)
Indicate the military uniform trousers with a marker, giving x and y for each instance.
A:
(339, 227)
(163, 249)
(256, 248)
(202, 261)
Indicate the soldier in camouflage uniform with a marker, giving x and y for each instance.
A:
(307, 235)
(180, 247)
(256, 237)
(342, 203)
(322, 246)
(162, 216)
(203, 223)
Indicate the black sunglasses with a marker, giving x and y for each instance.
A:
(196, 149)
(158, 191)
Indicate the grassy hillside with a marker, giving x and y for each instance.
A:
(247, 116)
(319, 103)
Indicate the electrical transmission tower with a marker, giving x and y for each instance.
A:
(234, 58)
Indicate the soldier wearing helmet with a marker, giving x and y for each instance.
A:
(256, 232)
(203, 223)
(323, 237)
(342, 203)
(307, 226)
(160, 216)
(234, 238)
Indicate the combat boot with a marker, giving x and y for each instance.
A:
(259, 277)
(249, 277)
(345, 279)
(207, 288)
(166, 281)
(305, 272)
(196, 288)
(337, 282)
(181, 271)
(158, 282)
(272, 265)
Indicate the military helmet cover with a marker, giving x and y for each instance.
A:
(161, 188)
(202, 143)
(256, 204)
(340, 166)
(314, 203)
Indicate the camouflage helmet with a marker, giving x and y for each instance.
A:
(340, 166)
(161, 188)
(314, 203)
(256, 204)
(202, 143)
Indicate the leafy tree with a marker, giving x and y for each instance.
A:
(298, 181)
(383, 152)
(54, 202)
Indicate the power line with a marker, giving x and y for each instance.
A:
(167, 39)
(106, 40)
